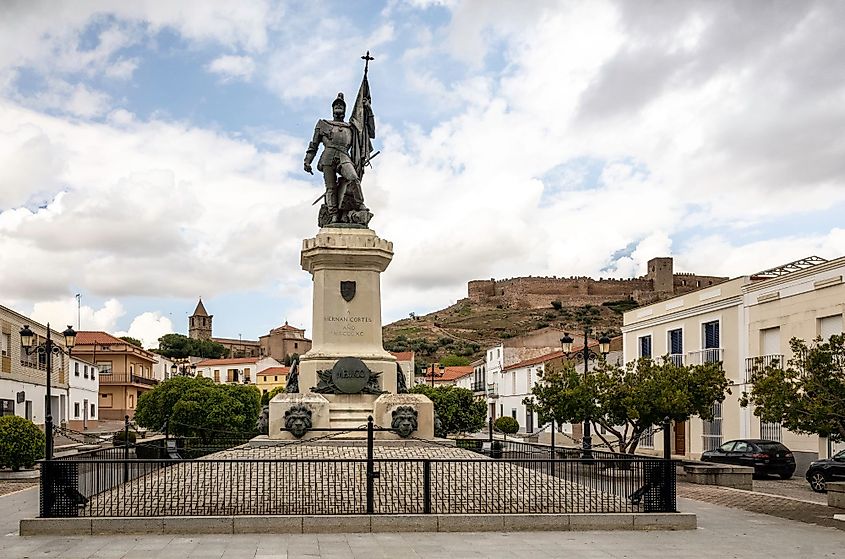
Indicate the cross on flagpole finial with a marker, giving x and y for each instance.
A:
(366, 58)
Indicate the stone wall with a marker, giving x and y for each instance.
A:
(538, 292)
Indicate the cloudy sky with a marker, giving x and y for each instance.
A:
(151, 151)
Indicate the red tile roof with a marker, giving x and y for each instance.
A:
(235, 361)
(548, 357)
(449, 373)
(92, 337)
(403, 355)
(274, 371)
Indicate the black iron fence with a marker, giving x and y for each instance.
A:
(518, 478)
(206, 487)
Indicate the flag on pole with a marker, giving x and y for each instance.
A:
(364, 124)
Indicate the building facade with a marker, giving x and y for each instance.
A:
(406, 361)
(23, 378)
(124, 371)
(735, 323)
(242, 370)
(284, 342)
(271, 378)
(280, 343)
(83, 394)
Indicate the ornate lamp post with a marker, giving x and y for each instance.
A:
(183, 367)
(586, 355)
(440, 374)
(47, 349)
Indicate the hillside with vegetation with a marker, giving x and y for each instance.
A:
(459, 334)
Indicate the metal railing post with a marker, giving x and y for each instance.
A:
(370, 465)
(667, 443)
(427, 487)
(126, 449)
(490, 428)
(552, 465)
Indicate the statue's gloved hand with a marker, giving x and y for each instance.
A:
(308, 168)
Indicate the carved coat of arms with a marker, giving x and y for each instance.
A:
(347, 290)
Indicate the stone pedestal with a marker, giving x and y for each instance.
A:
(281, 403)
(346, 323)
(346, 265)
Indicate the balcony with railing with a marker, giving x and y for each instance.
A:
(761, 362)
(126, 378)
(479, 386)
(709, 355)
(676, 358)
(492, 390)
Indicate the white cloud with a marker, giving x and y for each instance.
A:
(63, 311)
(148, 327)
(77, 99)
(232, 67)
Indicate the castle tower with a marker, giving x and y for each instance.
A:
(199, 323)
(660, 272)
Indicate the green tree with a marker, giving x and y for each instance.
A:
(457, 408)
(198, 407)
(133, 341)
(507, 425)
(626, 401)
(21, 443)
(453, 360)
(806, 396)
(267, 396)
(179, 346)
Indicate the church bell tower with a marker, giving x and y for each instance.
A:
(199, 323)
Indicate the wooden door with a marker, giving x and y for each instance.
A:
(680, 438)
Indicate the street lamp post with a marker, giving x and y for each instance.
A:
(47, 349)
(586, 355)
(440, 374)
(182, 366)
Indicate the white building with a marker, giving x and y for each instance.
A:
(83, 392)
(737, 322)
(23, 378)
(242, 370)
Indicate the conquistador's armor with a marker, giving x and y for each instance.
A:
(344, 199)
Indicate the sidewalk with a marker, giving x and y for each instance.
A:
(723, 532)
(752, 501)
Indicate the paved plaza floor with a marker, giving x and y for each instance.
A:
(723, 532)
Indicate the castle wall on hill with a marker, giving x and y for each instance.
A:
(541, 291)
(538, 292)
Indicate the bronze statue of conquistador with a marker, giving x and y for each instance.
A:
(343, 185)
(347, 150)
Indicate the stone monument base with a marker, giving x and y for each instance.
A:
(349, 411)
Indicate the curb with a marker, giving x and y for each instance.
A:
(344, 524)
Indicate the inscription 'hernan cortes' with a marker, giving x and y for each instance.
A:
(350, 319)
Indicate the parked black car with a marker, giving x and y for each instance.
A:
(766, 457)
(822, 471)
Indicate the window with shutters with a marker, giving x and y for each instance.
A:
(830, 325)
(676, 346)
(710, 340)
(645, 346)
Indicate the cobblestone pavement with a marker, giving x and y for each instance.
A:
(7, 487)
(331, 479)
(795, 488)
(810, 513)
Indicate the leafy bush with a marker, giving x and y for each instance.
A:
(266, 397)
(557, 305)
(198, 407)
(21, 443)
(507, 425)
(119, 437)
(457, 408)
